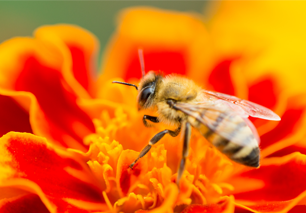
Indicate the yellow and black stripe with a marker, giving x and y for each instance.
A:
(228, 132)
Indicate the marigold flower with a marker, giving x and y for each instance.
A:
(68, 140)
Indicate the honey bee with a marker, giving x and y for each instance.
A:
(222, 119)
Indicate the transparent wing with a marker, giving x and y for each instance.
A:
(211, 114)
(249, 108)
(216, 105)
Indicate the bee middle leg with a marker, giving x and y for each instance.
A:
(154, 140)
(150, 118)
(187, 133)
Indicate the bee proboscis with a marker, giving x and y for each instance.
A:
(222, 119)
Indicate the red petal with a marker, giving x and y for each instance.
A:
(289, 130)
(58, 175)
(298, 209)
(58, 117)
(298, 147)
(270, 206)
(202, 208)
(26, 204)
(172, 42)
(57, 102)
(126, 177)
(283, 178)
(79, 47)
(226, 206)
(240, 210)
(264, 92)
(12, 116)
(79, 66)
(286, 127)
(159, 60)
(283, 184)
(220, 78)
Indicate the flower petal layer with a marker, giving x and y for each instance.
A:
(282, 187)
(289, 130)
(79, 49)
(13, 116)
(26, 203)
(299, 146)
(225, 206)
(35, 67)
(172, 43)
(220, 79)
(267, 92)
(58, 177)
(298, 209)
(273, 41)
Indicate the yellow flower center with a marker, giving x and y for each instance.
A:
(119, 137)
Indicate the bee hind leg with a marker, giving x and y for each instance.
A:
(187, 133)
(154, 140)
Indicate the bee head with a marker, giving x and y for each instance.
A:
(147, 90)
(147, 85)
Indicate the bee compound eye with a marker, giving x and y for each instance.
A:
(145, 94)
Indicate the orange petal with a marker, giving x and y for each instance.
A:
(283, 184)
(273, 41)
(79, 49)
(35, 67)
(172, 42)
(171, 192)
(58, 177)
(126, 177)
(299, 146)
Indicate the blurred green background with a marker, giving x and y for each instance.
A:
(21, 18)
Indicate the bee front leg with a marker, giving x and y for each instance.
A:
(187, 133)
(154, 140)
(150, 118)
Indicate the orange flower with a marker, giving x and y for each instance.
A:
(80, 135)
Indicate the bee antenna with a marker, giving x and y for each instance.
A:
(141, 60)
(118, 82)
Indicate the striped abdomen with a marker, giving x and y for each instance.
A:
(228, 132)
